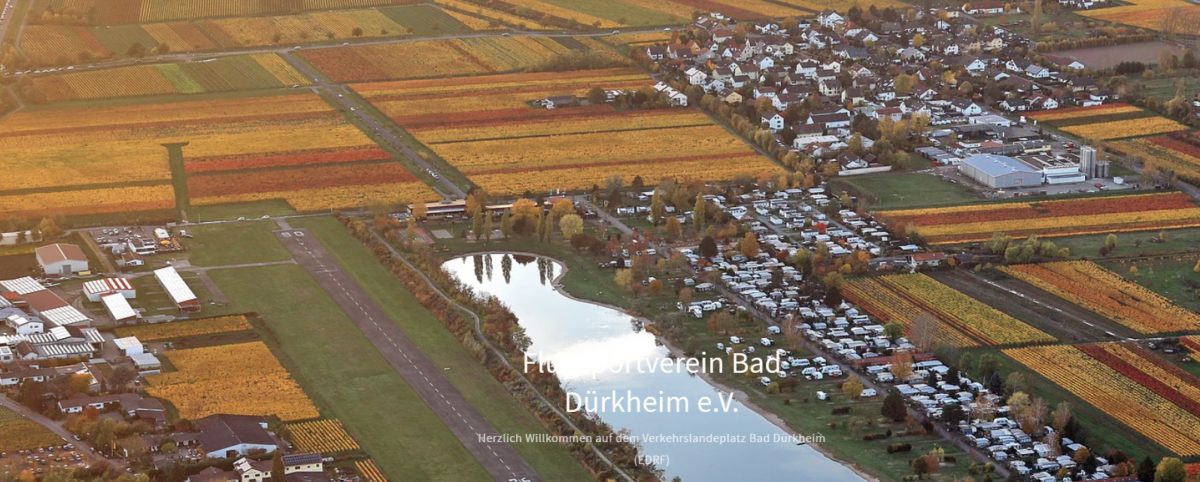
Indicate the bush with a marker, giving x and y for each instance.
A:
(898, 448)
(841, 410)
(875, 436)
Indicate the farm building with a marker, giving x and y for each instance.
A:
(61, 259)
(96, 289)
(177, 289)
(1000, 172)
(128, 346)
(118, 307)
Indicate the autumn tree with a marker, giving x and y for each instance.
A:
(852, 387)
(902, 365)
(419, 210)
(673, 230)
(1170, 469)
(623, 278)
(525, 216)
(924, 331)
(49, 228)
(749, 245)
(570, 225)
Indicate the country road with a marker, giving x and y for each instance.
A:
(360, 113)
(194, 56)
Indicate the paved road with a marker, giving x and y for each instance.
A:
(360, 112)
(500, 460)
(190, 56)
(68, 437)
(604, 215)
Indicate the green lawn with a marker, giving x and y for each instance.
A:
(424, 20)
(1178, 240)
(906, 190)
(235, 243)
(155, 301)
(346, 376)
(1171, 277)
(224, 212)
(551, 461)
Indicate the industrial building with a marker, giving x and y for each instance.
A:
(96, 289)
(1055, 170)
(1090, 165)
(61, 259)
(177, 289)
(1000, 172)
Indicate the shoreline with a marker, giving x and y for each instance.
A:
(739, 395)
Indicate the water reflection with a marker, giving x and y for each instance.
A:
(589, 344)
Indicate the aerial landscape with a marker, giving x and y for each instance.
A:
(599, 240)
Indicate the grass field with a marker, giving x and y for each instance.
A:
(1172, 277)
(551, 461)
(907, 190)
(234, 243)
(1130, 244)
(346, 377)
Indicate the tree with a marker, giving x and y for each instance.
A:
(357, 32)
(1035, 18)
(673, 229)
(698, 212)
(122, 375)
(277, 469)
(1061, 416)
(49, 229)
(623, 278)
(924, 331)
(1146, 470)
(570, 225)
(893, 407)
(893, 330)
(708, 247)
(685, 296)
(953, 414)
(419, 211)
(1170, 469)
(596, 96)
(902, 365)
(749, 245)
(1110, 242)
(852, 387)
(657, 208)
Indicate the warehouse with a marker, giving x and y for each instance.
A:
(1000, 172)
(61, 259)
(177, 289)
(118, 307)
(96, 289)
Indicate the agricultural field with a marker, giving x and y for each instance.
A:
(114, 12)
(323, 436)
(60, 44)
(1166, 152)
(889, 306)
(484, 127)
(1086, 284)
(88, 160)
(1062, 217)
(18, 433)
(1107, 122)
(1171, 276)
(969, 321)
(242, 379)
(1151, 396)
(1170, 16)
(448, 58)
(185, 328)
(249, 72)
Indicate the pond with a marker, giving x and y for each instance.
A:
(625, 375)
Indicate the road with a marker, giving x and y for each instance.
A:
(500, 460)
(360, 113)
(191, 56)
(604, 215)
(68, 437)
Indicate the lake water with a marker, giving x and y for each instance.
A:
(601, 351)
